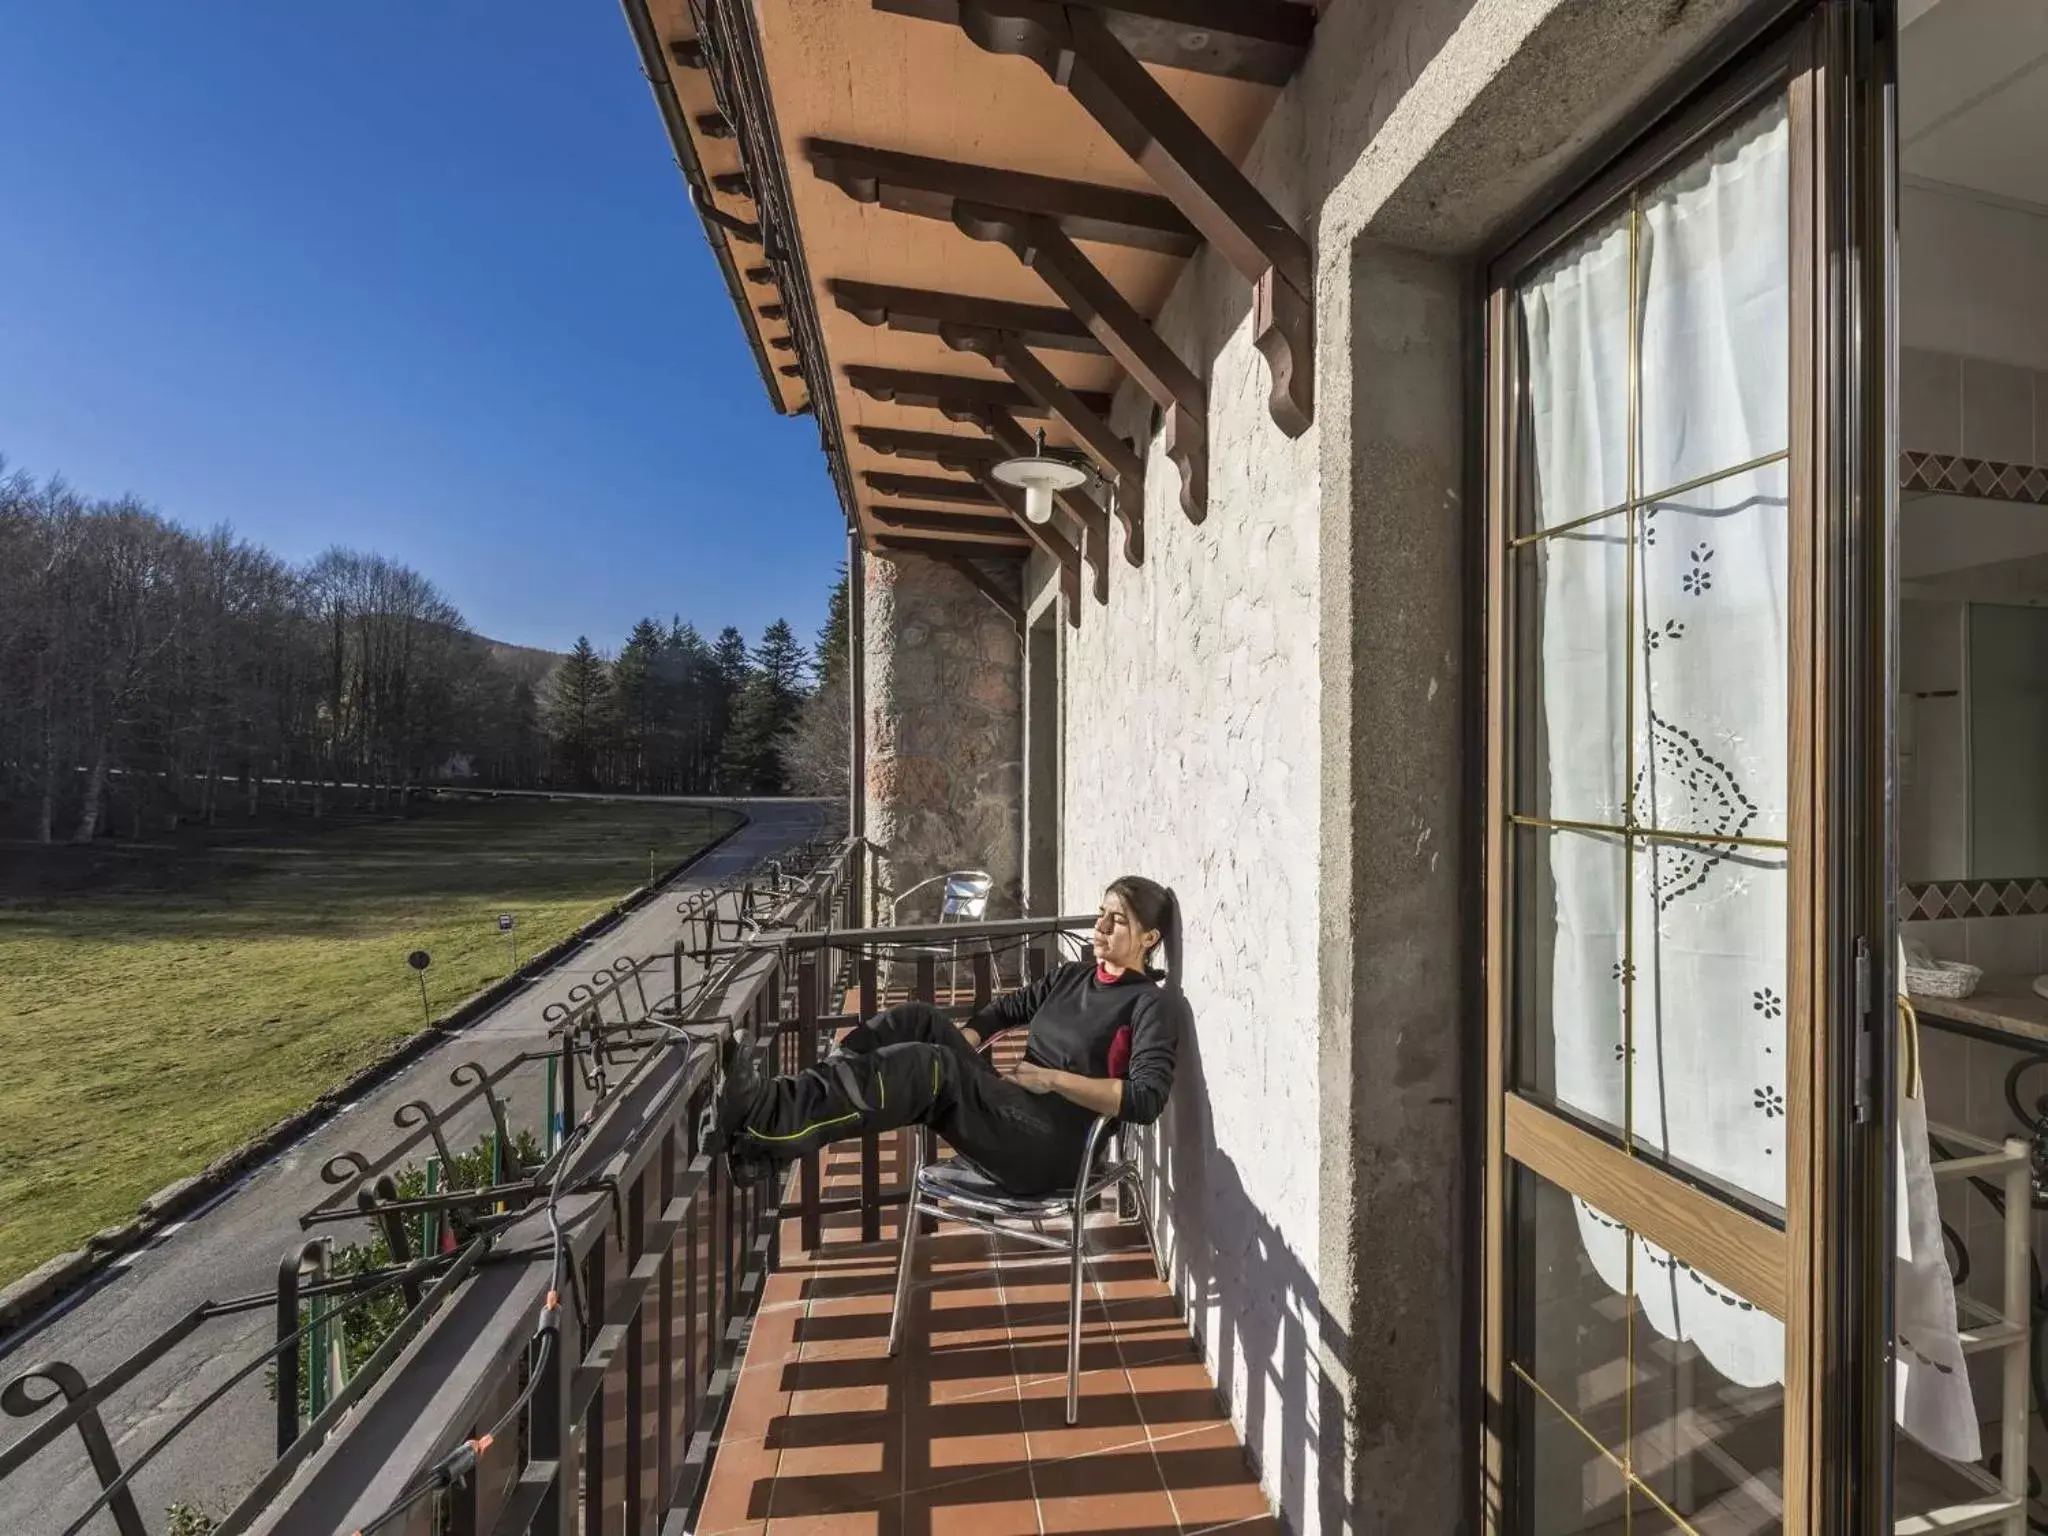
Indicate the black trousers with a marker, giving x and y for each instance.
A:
(910, 1066)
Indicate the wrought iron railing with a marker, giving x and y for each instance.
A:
(565, 1315)
(638, 1061)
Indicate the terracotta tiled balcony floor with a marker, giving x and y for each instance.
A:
(966, 1431)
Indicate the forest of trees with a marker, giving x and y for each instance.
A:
(150, 674)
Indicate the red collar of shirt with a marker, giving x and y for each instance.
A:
(1102, 975)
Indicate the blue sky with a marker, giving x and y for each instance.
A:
(417, 276)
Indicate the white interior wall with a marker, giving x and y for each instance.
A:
(1973, 277)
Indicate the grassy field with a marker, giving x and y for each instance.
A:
(183, 998)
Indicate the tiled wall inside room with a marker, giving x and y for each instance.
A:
(1962, 405)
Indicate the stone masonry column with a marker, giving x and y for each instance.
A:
(945, 731)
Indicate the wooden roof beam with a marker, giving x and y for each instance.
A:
(973, 455)
(947, 392)
(943, 549)
(1113, 456)
(1077, 49)
(1112, 452)
(1016, 443)
(926, 445)
(1127, 335)
(1055, 544)
(986, 491)
(919, 312)
(1010, 606)
(928, 188)
(964, 493)
(995, 528)
(1263, 41)
(1011, 441)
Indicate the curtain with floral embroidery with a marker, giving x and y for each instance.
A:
(1652, 733)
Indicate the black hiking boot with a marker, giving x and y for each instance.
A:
(738, 1092)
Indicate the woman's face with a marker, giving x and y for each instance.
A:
(1119, 941)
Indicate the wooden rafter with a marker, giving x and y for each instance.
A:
(940, 549)
(994, 528)
(1077, 48)
(928, 188)
(946, 391)
(1116, 456)
(926, 445)
(1010, 607)
(919, 312)
(1052, 541)
(1043, 247)
(960, 493)
(972, 456)
(1079, 504)
(1263, 41)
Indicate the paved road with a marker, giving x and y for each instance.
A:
(233, 1249)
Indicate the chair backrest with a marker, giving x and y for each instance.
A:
(966, 897)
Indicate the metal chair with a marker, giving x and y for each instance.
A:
(964, 900)
(959, 1191)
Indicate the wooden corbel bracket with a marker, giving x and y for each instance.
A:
(1076, 48)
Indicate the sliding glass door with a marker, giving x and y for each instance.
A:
(1675, 528)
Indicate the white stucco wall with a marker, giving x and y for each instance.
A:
(1191, 758)
(1257, 712)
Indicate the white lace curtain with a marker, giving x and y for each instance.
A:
(1662, 708)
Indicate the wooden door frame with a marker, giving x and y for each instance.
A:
(1817, 1272)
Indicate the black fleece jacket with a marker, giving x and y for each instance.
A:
(1074, 1020)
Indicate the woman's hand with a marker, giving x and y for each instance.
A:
(1104, 1095)
(1035, 1079)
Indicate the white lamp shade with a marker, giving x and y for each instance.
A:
(1039, 477)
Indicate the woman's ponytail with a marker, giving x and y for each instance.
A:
(1156, 907)
(1169, 940)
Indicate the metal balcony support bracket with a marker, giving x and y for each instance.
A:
(1076, 47)
(1043, 247)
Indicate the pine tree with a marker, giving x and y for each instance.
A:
(751, 763)
(779, 658)
(579, 712)
(637, 685)
(832, 650)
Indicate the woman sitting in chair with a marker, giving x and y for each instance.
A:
(1102, 1038)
